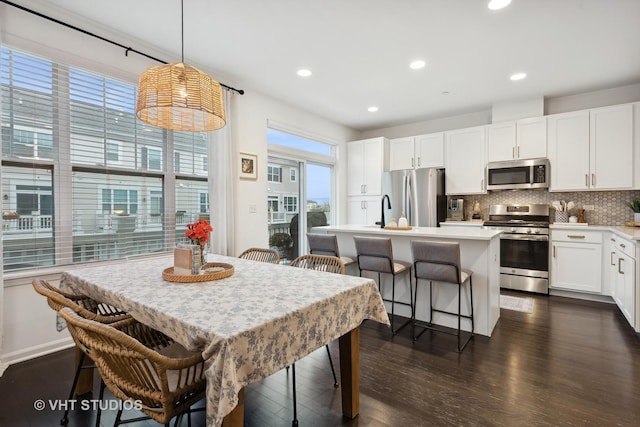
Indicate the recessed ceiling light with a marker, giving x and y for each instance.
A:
(304, 72)
(498, 4)
(518, 76)
(416, 65)
(372, 109)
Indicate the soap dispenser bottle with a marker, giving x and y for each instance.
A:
(402, 222)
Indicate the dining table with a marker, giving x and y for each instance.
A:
(249, 325)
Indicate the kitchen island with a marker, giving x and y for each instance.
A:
(479, 252)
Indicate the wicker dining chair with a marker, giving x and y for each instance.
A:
(86, 307)
(140, 364)
(329, 264)
(261, 254)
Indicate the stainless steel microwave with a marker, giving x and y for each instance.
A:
(518, 174)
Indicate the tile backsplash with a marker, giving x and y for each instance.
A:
(609, 206)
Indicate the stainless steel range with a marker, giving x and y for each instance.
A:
(524, 245)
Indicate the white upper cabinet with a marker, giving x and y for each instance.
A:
(465, 161)
(611, 147)
(365, 166)
(401, 153)
(417, 152)
(522, 139)
(591, 150)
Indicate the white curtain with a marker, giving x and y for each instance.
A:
(221, 173)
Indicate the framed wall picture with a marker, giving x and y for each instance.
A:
(248, 166)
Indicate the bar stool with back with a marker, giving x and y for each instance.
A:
(376, 254)
(326, 244)
(440, 262)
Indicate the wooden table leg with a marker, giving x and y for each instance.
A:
(350, 372)
(85, 380)
(236, 417)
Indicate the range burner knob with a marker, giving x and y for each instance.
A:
(536, 231)
(528, 231)
(514, 229)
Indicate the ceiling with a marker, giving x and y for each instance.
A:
(359, 50)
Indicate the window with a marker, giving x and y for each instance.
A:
(293, 174)
(119, 202)
(272, 203)
(290, 203)
(151, 158)
(113, 152)
(116, 187)
(204, 202)
(274, 174)
(205, 164)
(176, 162)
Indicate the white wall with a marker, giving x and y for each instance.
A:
(251, 113)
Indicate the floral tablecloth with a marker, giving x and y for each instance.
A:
(247, 326)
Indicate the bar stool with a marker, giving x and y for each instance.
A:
(440, 262)
(375, 254)
(326, 244)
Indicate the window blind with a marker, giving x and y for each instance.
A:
(83, 179)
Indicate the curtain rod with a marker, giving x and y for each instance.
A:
(126, 48)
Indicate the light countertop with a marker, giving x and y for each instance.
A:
(459, 233)
(632, 233)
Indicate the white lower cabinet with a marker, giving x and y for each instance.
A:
(576, 260)
(622, 276)
(364, 210)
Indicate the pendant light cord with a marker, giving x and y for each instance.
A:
(182, 25)
(126, 48)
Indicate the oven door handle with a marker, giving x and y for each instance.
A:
(529, 237)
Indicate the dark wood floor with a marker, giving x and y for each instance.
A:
(569, 363)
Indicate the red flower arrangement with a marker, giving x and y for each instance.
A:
(198, 232)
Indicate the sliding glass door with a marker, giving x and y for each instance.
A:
(300, 191)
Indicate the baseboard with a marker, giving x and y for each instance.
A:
(581, 295)
(29, 353)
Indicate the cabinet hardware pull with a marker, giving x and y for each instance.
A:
(593, 179)
(365, 189)
(518, 151)
(361, 188)
(611, 258)
(622, 245)
(513, 152)
(554, 251)
(619, 265)
(575, 236)
(586, 179)
(412, 165)
(419, 162)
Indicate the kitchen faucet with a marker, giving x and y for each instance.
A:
(381, 222)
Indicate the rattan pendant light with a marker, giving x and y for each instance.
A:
(179, 96)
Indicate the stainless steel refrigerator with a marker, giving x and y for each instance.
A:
(419, 194)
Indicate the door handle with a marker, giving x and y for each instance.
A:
(620, 265)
